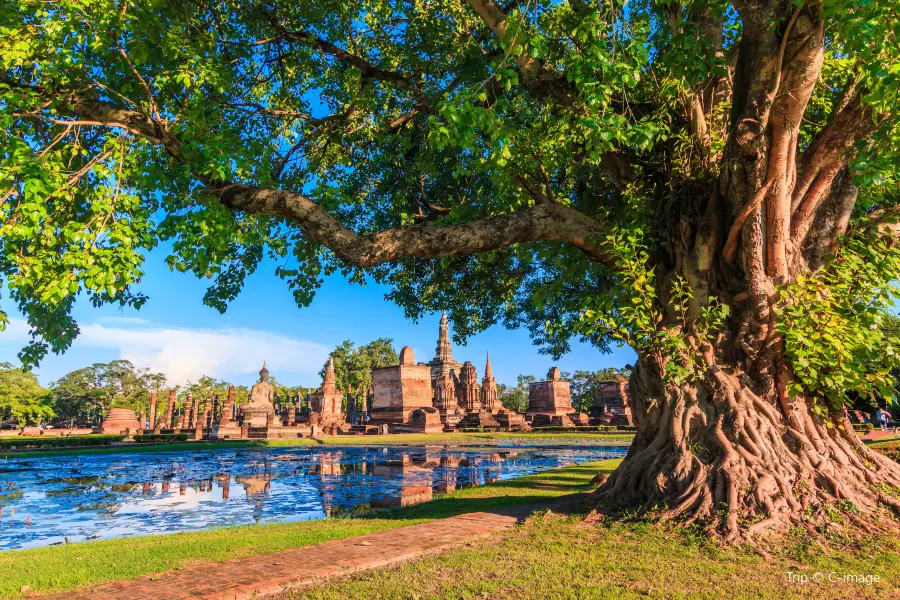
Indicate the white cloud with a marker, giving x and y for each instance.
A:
(184, 354)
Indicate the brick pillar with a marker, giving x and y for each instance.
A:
(195, 408)
(153, 408)
(170, 417)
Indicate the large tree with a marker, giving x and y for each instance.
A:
(90, 391)
(22, 397)
(353, 365)
(710, 182)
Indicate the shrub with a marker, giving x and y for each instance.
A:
(21, 442)
(161, 437)
(588, 429)
(863, 427)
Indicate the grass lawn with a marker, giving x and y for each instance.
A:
(558, 556)
(412, 439)
(62, 568)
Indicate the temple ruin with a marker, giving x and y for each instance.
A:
(443, 394)
(612, 403)
(550, 402)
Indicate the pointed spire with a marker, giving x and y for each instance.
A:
(488, 372)
(443, 352)
(330, 376)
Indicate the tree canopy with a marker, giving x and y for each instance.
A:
(333, 136)
(710, 182)
(22, 398)
(91, 391)
(353, 365)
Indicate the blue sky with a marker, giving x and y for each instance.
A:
(174, 333)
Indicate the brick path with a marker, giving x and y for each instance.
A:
(271, 573)
(878, 435)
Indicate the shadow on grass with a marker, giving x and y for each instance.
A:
(442, 508)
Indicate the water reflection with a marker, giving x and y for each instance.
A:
(91, 497)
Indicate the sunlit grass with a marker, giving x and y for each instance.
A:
(562, 556)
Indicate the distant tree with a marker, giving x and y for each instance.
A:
(21, 396)
(515, 398)
(241, 394)
(207, 387)
(91, 391)
(353, 366)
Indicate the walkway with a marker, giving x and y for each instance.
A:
(271, 573)
(877, 435)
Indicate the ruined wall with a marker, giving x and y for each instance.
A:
(550, 397)
(400, 390)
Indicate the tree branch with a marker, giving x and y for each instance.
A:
(366, 68)
(543, 222)
(536, 77)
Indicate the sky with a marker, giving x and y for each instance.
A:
(174, 333)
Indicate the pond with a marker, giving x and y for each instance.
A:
(53, 500)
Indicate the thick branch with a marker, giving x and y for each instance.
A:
(544, 222)
(826, 156)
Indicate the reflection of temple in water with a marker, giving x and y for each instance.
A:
(449, 466)
(350, 481)
(415, 480)
(255, 486)
(328, 467)
(224, 482)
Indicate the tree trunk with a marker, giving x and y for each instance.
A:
(723, 451)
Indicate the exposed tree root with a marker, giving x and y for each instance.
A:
(720, 455)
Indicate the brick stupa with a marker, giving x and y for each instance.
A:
(120, 421)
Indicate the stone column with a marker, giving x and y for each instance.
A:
(153, 408)
(215, 410)
(245, 431)
(292, 414)
(170, 422)
(228, 409)
(195, 408)
(207, 410)
(184, 422)
(143, 420)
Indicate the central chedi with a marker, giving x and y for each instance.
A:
(260, 410)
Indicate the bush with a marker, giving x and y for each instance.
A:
(588, 429)
(21, 442)
(161, 437)
(863, 427)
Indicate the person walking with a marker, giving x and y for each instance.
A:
(883, 418)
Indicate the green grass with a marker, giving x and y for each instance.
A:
(412, 439)
(565, 557)
(67, 567)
